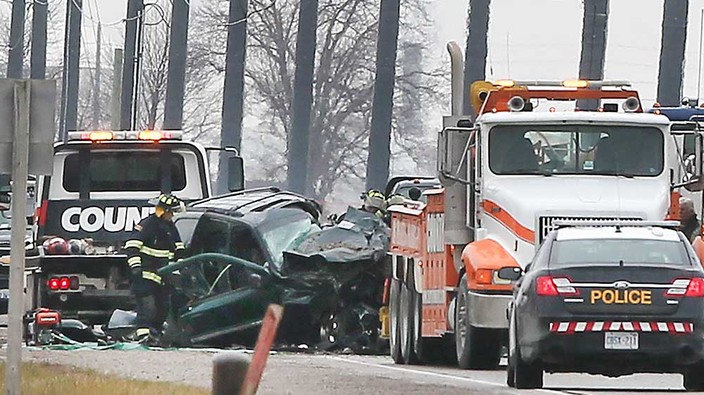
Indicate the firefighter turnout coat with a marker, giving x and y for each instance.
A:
(154, 243)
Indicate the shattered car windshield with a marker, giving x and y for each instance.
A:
(286, 233)
(576, 149)
(598, 251)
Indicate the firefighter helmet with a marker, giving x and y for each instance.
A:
(168, 202)
(55, 246)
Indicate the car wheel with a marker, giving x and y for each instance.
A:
(476, 348)
(693, 379)
(405, 324)
(526, 375)
(394, 330)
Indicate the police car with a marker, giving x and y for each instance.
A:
(611, 299)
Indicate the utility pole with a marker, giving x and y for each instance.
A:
(96, 80)
(674, 37)
(40, 13)
(233, 92)
(130, 67)
(299, 138)
(591, 62)
(175, 82)
(116, 86)
(72, 57)
(383, 101)
(476, 50)
(15, 61)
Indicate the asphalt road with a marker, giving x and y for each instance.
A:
(315, 374)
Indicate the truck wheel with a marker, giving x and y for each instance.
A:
(406, 327)
(476, 348)
(419, 343)
(526, 375)
(394, 333)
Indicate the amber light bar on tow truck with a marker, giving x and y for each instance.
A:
(144, 135)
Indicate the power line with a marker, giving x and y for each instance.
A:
(237, 22)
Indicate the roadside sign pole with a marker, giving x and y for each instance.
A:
(20, 164)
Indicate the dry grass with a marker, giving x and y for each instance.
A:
(40, 379)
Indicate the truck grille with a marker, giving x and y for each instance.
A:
(546, 224)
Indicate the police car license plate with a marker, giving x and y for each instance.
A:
(621, 341)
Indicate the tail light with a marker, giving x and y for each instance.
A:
(555, 286)
(41, 213)
(64, 283)
(687, 287)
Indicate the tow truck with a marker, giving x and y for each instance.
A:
(507, 177)
(98, 192)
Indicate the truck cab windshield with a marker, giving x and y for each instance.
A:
(576, 149)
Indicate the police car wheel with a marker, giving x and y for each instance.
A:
(693, 379)
(526, 375)
(511, 372)
(394, 333)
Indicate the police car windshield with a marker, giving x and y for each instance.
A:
(576, 149)
(582, 252)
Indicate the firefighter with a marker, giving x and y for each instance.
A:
(155, 243)
(688, 217)
(374, 202)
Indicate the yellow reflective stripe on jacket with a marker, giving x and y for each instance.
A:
(151, 276)
(142, 332)
(134, 244)
(134, 261)
(179, 246)
(172, 256)
(154, 252)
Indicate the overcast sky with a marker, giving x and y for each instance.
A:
(528, 39)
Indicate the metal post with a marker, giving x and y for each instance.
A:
(233, 93)
(476, 49)
(229, 372)
(299, 138)
(383, 100)
(178, 43)
(591, 62)
(15, 61)
(116, 85)
(96, 80)
(20, 163)
(134, 9)
(72, 57)
(38, 52)
(674, 37)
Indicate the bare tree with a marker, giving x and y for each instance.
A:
(342, 89)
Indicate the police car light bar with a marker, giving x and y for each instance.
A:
(622, 223)
(146, 135)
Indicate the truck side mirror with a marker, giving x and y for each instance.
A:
(453, 150)
(693, 166)
(235, 173)
(510, 273)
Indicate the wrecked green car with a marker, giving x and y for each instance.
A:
(329, 279)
